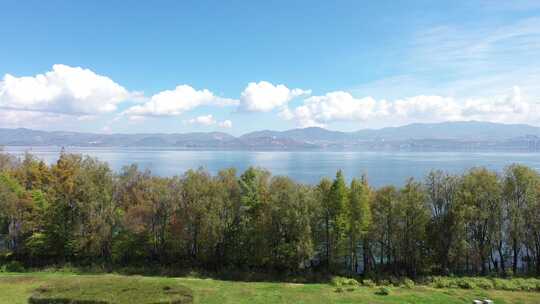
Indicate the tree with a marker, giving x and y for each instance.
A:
(532, 223)
(290, 230)
(7, 161)
(254, 196)
(480, 194)
(96, 211)
(338, 200)
(132, 243)
(519, 190)
(444, 230)
(385, 212)
(359, 220)
(230, 218)
(415, 218)
(64, 206)
(326, 216)
(16, 207)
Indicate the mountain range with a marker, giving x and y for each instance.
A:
(446, 136)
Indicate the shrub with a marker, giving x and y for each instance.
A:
(525, 284)
(504, 284)
(339, 289)
(394, 281)
(341, 281)
(408, 283)
(383, 291)
(484, 283)
(337, 281)
(350, 288)
(368, 283)
(466, 283)
(13, 266)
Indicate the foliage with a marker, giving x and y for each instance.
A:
(341, 281)
(13, 266)
(383, 291)
(78, 211)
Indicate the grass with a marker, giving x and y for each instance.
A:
(111, 289)
(18, 288)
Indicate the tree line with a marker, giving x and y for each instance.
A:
(79, 211)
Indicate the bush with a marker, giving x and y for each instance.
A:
(394, 281)
(408, 283)
(466, 283)
(368, 283)
(337, 281)
(502, 284)
(484, 283)
(341, 281)
(526, 284)
(339, 289)
(383, 291)
(13, 266)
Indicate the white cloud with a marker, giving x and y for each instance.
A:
(205, 120)
(264, 96)
(65, 89)
(342, 106)
(209, 120)
(226, 124)
(175, 102)
(135, 118)
(29, 119)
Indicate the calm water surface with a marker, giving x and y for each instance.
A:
(308, 167)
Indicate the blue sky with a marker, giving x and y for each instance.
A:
(239, 66)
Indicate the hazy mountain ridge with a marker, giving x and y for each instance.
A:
(438, 136)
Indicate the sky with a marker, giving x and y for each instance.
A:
(241, 66)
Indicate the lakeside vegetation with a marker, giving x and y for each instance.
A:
(255, 226)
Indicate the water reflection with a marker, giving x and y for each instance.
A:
(308, 167)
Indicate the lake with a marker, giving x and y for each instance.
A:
(382, 168)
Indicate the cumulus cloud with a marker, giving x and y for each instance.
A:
(65, 89)
(209, 120)
(226, 124)
(175, 102)
(205, 120)
(29, 119)
(342, 106)
(264, 96)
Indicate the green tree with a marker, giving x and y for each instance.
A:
(519, 191)
(444, 230)
(480, 194)
(415, 218)
(290, 230)
(384, 230)
(325, 218)
(338, 199)
(359, 220)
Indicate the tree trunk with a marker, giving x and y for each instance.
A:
(327, 244)
(501, 257)
(365, 252)
(516, 254)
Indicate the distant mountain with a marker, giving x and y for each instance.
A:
(312, 134)
(446, 136)
(464, 130)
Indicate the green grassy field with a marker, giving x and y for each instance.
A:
(17, 288)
